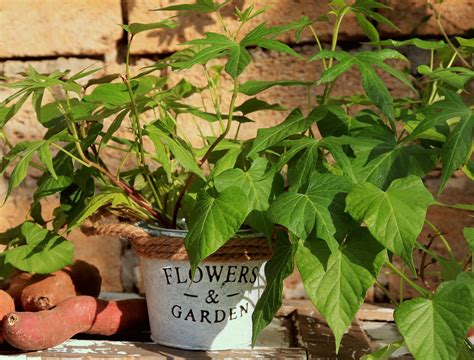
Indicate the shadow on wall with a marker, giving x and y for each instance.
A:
(197, 21)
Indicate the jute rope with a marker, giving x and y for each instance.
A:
(172, 248)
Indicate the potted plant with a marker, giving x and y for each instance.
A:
(355, 201)
(192, 202)
(342, 205)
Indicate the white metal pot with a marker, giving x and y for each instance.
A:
(214, 310)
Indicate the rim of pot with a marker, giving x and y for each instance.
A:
(155, 230)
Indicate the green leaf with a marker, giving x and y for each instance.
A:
(161, 154)
(384, 353)
(112, 197)
(295, 123)
(452, 106)
(217, 217)
(36, 100)
(465, 42)
(468, 233)
(337, 122)
(436, 328)
(21, 169)
(337, 281)
(6, 113)
(254, 104)
(263, 32)
(43, 253)
(300, 173)
(331, 74)
(454, 76)
(184, 155)
(467, 278)
(226, 161)
(200, 6)
(113, 128)
(468, 169)
(253, 183)
(239, 59)
(376, 90)
(6, 270)
(64, 169)
(102, 80)
(260, 189)
(379, 159)
(319, 208)
(293, 148)
(328, 54)
(217, 45)
(279, 267)
(253, 87)
(422, 44)
(456, 150)
(373, 85)
(394, 217)
(136, 28)
(367, 27)
(450, 268)
(110, 95)
(46, 158)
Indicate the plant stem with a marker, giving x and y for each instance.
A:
(138, 127)
(402, 275)
(386, 293)
(221, 21)
(71, 155)
(237, 131)
(446, 37)
(328, 87)
(320, 47)
(221, 137)
(434, 88)
(442, 238)
(335, 33)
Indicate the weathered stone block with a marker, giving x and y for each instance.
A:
(191, 27)
(415, 16)
(55, 27)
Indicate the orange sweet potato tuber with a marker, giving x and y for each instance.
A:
(86, 278)
(18, 282)
(47, 291)
(80, 314)
(42, 292)
(6, 306)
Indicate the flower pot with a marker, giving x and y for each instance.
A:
(214, 310)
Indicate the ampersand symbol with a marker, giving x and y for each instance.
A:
(212, 297)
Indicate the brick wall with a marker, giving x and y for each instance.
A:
(74, 34)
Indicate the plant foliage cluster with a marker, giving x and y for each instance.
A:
(339, 205)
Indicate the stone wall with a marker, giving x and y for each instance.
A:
(75, 34)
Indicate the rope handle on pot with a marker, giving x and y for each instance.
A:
(165, 247)
(124, 230)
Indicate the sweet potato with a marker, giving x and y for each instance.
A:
(18, 282)
(6, 306)
(42, 292)
(47, 291)
(86, 278)
(80, 314)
